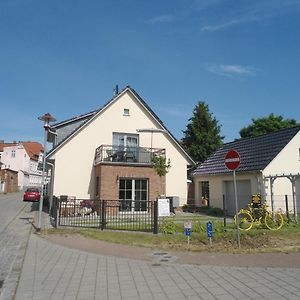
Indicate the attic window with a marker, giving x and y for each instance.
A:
(126, 112)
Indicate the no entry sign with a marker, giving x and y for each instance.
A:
(232, 160)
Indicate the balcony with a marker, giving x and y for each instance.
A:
(126, 155)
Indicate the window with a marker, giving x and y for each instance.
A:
(13, 153)
(126, 112)
(299, 153)
(133, 194)
(204, 190)
(125, 140)
(125, 146)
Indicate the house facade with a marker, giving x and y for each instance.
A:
(270, 166)
(107, 154)
(23, 158)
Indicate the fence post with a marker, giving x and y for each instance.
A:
(54, 209)
(287, 209)
(103, 214)
(224, 210)
(155, 217)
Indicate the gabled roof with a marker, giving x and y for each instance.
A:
(74, 119)
(3, 145)
(255, 153)
(33, 149)
(88, 117)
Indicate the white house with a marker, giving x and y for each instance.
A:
(270, 166)
(24, 158)
(107, 154)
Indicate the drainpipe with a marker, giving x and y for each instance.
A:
(51, 183)
(272, 193)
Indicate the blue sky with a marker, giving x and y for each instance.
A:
(65, 57)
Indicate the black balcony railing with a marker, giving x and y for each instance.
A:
(117, 154)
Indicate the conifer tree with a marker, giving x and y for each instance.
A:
(202, 135)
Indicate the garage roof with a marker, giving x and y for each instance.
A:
(255, 153)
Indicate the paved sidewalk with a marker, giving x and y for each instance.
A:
(56, 272)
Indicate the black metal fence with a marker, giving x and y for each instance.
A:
(106, 214)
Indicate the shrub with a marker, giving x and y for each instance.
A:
(167, 226)
(198, 227)
(211, 211)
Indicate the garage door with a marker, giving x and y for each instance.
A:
(243, 195)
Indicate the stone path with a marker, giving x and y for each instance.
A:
(13, 243)
(52, 271)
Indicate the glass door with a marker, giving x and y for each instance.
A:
(126, 145)
(133, 194)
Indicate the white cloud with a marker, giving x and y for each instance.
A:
(250, 12)
(231, 23)
(160, 19)
(231, 70)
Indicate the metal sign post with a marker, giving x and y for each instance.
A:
(236, 211)
(209, 231)
(188, 227)
(232, 162)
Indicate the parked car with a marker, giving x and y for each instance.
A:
(32, 195)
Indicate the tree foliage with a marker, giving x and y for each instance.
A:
(265, 125)
(202, 135)
(161, 165)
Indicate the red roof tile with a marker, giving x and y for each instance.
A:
(33, 149)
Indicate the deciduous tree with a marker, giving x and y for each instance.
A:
(265, 125)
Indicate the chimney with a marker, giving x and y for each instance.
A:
(116, 90)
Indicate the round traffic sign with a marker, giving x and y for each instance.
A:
(232, 160)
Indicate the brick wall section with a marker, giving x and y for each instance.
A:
(10, 178)
(109, 176)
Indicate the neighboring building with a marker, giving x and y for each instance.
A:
(8, 180)
(107, 154)
(24, 158)
(270, 166)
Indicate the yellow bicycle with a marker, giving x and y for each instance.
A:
(258, 215)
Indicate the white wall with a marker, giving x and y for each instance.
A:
(286, 162)
(217, 186)
(74, 161)
(19, 162)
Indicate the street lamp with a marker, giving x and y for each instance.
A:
(46, 118)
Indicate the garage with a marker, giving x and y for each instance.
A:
(243, 195)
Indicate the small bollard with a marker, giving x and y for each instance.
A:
(209, 230)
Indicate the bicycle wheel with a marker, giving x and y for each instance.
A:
(245, 220)
(274, 221)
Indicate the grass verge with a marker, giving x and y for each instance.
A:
(257, 240)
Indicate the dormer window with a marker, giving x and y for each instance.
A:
(126, 112)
